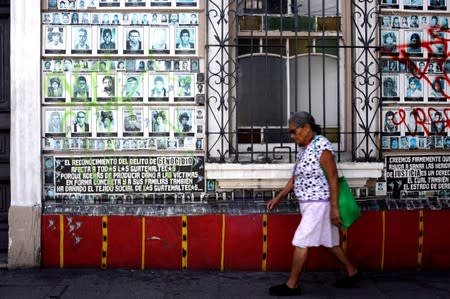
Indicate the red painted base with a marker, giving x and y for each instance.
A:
(390, 240)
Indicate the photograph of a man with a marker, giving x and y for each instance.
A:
(81, 40)
(132, 87)
(106, 88)
(132, 121)
(133, 41)
(108, 40)
(81, 87)
(81, 122)
(106, 122)
(184, 39)
(158, 86)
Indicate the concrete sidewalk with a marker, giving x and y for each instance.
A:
(93, 283)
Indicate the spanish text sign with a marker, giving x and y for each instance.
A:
(136, 174)
(418, 173)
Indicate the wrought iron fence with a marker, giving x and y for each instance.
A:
(267, 59)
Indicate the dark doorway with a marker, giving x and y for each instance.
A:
(5, 124)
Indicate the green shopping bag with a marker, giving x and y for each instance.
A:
(348, 208)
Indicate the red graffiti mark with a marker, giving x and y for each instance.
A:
(429, 120)
(437, 39)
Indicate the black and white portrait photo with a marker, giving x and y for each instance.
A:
(54, 122)
(133, 40)
(184, 124)
(54, 88)
(392, 4)
(186, 3)
(391, 122)
(133, 124)
(437, 5)
(389, 42)
(159, 40)
(437, 89)
(107, 40)
(159, 122)
(414, 41)
(106, 122)
(106, 87)
(81, 40)
(391, 88)
(185, 40)
(132, 88)
(81, 123)
(81, 87)
(413, 4)
(159, 3)
(55, 40)
(134, 3)
(159, 88)
(109, 3)
(184, 87)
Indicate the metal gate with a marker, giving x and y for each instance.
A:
(267, 59)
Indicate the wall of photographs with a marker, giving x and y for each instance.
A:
(122, 78)
(122, 75)
(415, 68)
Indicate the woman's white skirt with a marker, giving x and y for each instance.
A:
(315, 228)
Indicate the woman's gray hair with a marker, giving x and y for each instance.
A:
(301, 118)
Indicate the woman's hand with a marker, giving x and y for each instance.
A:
(272, 203)
(335, 217)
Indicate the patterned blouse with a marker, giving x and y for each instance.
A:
(310, 183)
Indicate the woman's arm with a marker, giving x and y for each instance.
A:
(288, 188)
(329, 167)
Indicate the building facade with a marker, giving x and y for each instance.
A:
(156, 130)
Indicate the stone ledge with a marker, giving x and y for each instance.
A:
(231, 176)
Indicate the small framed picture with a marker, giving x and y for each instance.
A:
(184, 85)
(55, 40)
(414, 41)
(159, 3)
(54, 125)
(133, 40)
(107, 40)
(54, 88)
(437, 89)
(186, 3)
(133, 122)
(134, 3)
(184, 122)
(132, 88)
(159, 122)
(437, 5)
(106, 87)
(413, 4)
(81, 40)
(413, 89)
(81, 87)
(81, 122)
(109, 3)
(185, 40)
(159, 40)
(159, 88)
(391, 122)
(391, 88)
(106, 122)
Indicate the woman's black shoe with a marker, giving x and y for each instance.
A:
(349, 281)
(284, 290)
